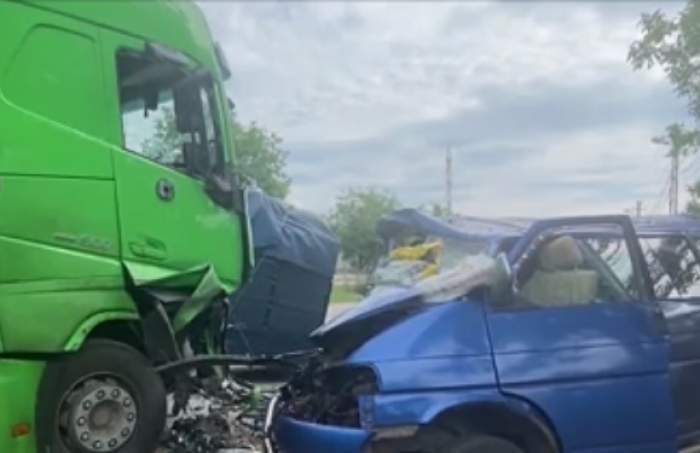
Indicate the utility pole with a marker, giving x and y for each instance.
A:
(673, 187)
(639, 208)
(448, 182)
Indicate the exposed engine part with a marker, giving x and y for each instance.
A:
(211, 414)
(327, 394)
(218, 415)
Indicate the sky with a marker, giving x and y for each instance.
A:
(542, 112)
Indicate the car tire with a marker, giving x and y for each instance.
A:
(107, 395)
(482, 444)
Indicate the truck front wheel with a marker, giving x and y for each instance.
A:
(106, 398)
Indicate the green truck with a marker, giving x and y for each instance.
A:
(105, 213)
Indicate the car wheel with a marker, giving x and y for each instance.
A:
(482, 444)
(107, 398)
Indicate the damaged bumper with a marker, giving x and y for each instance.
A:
(300, 421)
(293, 436)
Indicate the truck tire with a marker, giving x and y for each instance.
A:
(482, 444)
(106, 398)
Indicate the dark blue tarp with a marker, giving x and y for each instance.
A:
(285, 296)
(290, 235)
(414, 221)
(460, 228)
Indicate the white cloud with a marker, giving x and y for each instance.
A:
(369, 93)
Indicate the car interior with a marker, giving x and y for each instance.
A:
(567, 270)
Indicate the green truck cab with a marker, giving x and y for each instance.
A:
(115, 183)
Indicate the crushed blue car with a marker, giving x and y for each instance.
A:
(576, 335)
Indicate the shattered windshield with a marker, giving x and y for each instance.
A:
(406, 265)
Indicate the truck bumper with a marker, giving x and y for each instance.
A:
(293, 436)
(19, 385)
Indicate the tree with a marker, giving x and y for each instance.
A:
(260, 157)
(354, 220)
(694, 203)
(680, 140)
(673, 44)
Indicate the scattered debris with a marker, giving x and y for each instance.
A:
(215, 415)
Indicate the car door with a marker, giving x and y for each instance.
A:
(587, 345)
(674, 269)
(168, 222)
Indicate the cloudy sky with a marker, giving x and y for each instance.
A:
(542, 111)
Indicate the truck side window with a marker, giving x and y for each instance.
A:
(152, 133)
(673, 267)
(573, 269)
(160, 125)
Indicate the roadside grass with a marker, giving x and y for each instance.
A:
(344, 294)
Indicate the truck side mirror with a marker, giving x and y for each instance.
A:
(221, 189)
(197, 162)
(188, 108)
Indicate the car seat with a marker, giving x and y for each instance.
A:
(559, 279)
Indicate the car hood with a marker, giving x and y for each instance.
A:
(351, 329)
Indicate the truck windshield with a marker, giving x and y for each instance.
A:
(157, 123)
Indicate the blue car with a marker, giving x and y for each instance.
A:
(576, 335)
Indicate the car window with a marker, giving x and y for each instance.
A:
(673, 267)
(614, 253)
(564, 269)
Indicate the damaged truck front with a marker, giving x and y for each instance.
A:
(564, 335)
(123, 226)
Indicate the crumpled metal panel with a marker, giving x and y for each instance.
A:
(190, 292)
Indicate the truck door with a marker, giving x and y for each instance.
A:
(167, 219)
(675, 275)
(583, 340)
